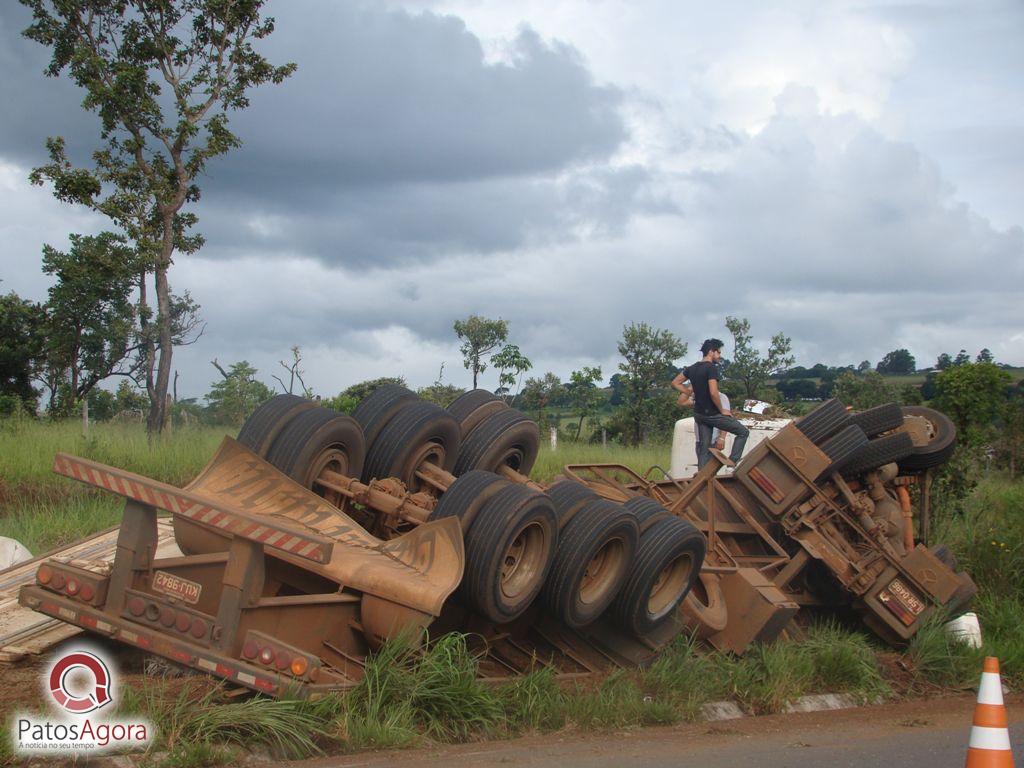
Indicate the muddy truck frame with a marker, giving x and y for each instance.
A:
(316, 537)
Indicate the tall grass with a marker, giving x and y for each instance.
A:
(27, 448)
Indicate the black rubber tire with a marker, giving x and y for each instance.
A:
(881, 418)
(882, 450)
(823, 584)
(378, 408)
(506, 516)
(661, 546)
(842, 446)
(963, 596)
(506, 437)
(471, 408)
(302, 444)
(945, 555)
(595, 527)
(647, 511)
(568, 496)
(939, 448)
(266, 422)
(467, 495)
(416, 424)
(824, 421)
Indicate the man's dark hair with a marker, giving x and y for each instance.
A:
(710, 344)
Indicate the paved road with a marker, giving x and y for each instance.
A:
(920, 734)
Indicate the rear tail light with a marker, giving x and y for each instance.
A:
(283, 658)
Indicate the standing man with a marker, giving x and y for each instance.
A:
(709, 411)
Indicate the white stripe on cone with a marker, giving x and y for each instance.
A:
(991, 690)
(989, 738)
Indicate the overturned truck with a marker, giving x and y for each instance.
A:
(315, 537)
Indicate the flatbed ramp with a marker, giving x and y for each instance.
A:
(24, 632)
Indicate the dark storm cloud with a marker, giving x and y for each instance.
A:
(385, 97)
(36, 106)
(381, 225)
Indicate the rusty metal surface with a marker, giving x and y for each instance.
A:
(25, 632)
(419, 569)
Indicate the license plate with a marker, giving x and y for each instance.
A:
(175, 586)
(901, 601)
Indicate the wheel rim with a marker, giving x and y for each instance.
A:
(428, 453)
(921, 430)
(333, 459)
(522, 565)
(669, 586)
(602, 570)
(513, 457)
(699, 593)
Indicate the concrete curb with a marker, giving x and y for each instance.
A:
(816, 702)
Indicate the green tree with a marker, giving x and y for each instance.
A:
(961, 357)
(539, 393)
(90, 328)
(162, 75)
(22, 340)
(899, 361)
(972, 394)
(237, 394)
(747, 365)
(943, 361)
(584, 395)
(864, 391)
(1010, 437)
(480, 336)
(649, 353)
(364, 389)
(511, 365)
(985, 356)
(865, 365)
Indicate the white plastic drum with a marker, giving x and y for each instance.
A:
(684, 452)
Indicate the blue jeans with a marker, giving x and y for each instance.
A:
(707, 424)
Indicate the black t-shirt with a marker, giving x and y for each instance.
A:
(699, 374)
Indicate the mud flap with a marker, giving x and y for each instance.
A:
(758, 611)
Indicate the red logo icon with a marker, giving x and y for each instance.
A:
(80, 702)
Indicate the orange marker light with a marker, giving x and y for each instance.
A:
(44, 574)
(299, 666)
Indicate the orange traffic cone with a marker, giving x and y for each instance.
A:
(989, 746)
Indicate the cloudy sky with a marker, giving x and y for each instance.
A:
(850, 173)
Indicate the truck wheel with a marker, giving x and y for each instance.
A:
(419, 433)
(842, 446)
(881, 418)
(945, 555)
(506, 438)
(824, 421)
(647, 511)
(962, 597)
(668, 561)
(471, 408)
(377, 409)
(934, 444)
(316, 441)
(267, 421)
(466, 495)
(704, 606)
(510, 547)
(595, 552)
(568, 496)
(881, 450)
